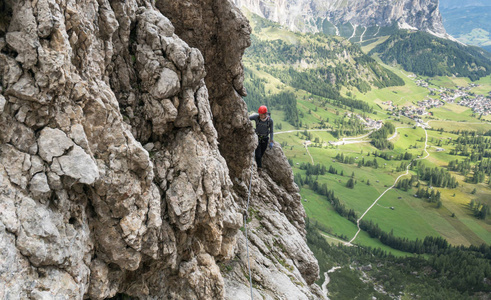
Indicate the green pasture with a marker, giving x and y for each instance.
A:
(452, 111)
(456, 125)
(399, 95)
(368, 47)
(320, 210)
(274, 33)
(407, 138)
(449, 82)
(411, 217)
(475, 231)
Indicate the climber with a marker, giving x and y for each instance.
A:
(264, 127)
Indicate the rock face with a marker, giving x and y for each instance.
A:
(125, 156)
(309, 15)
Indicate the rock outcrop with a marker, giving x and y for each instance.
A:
(125, 156)
(310, 15)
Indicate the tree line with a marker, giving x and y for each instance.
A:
(437, 177)
(379, 137)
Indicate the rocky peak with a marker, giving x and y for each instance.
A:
(310, 15)
(125, 157)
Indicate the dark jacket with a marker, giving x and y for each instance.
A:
(263, 128)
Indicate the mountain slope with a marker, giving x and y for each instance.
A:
(317, 64)
(428, 55)
(310, 15)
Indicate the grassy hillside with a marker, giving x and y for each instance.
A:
(284, 71)
(317, 64)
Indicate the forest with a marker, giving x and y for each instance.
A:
(379, 137)
(428, 55)
(445, 272)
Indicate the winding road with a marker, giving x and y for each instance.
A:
(327, 280)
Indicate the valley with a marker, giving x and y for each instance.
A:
(426, 182)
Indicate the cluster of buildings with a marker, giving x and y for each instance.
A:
(369, 123)
(373, 124)
(480, 104)
(430, 103)
(413, 112)
(421, 83)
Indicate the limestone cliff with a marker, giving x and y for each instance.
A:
(125, 156)
(310, 15)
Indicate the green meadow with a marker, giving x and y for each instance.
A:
(397, 211)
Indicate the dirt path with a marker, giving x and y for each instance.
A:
(395, 182)
(307, 148)
(327, 280)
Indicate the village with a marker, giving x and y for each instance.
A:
(480, 104)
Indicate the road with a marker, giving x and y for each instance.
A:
(346, 141)
(302, 130)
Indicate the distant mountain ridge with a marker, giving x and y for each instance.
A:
(459, 3)
(362, 15)
(468, 21)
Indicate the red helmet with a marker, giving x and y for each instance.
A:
(262, 109)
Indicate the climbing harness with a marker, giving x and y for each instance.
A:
(245, 227)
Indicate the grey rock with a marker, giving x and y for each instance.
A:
(25, 89)
(10, 69)
(2, 103)
(420, 14)
(167, 86)
(78, 135)
(54, 181)
(17, 165)
(88, 84)
(37, 165)
(182, 199)
(39, 184)
(149, 146)
(45, 18)
(52, 143)
(78, 165)
(21, 137)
